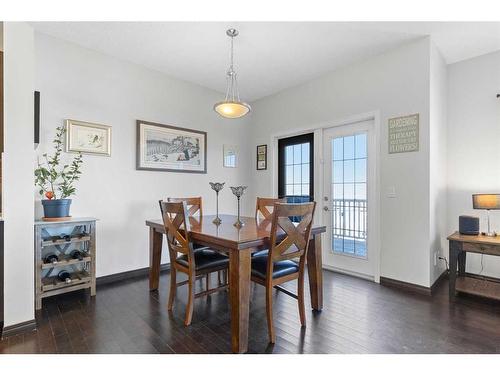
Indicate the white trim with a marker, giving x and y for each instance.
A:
(349, 273)
(318, 129)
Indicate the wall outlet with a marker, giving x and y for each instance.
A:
(435, 258)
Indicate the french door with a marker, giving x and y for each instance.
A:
(347, 204)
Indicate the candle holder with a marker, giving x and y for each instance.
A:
(217, 186)
(238, 191)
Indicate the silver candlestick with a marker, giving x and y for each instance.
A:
(217, 186)
(238, 191)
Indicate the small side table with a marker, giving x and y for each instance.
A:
(61, 238)
(463, 282)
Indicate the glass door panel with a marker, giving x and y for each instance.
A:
(348, 186)
(349, 215)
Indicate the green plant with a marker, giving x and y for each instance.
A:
(54, 181)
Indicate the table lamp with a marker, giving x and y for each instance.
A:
(486, 202)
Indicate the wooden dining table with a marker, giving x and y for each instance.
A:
(239, 244)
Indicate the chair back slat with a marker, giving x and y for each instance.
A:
(296, 237)
(265, 206)
(176, 222)
(194, 204)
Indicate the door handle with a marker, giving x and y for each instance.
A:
(325, 208)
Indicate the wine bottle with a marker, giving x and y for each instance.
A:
(64, 276)
(51, 258)
(76, 254)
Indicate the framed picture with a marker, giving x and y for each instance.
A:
(88, 138)
(170, 148)
(230, 156)
(261, 157)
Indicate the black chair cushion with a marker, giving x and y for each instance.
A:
(260, 253)
(205, 258)
(281, 268)
(197, 246)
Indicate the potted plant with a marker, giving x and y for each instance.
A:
(56, 182)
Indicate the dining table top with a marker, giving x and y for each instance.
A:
(254, 232)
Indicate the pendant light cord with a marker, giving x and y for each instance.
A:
(232, 93)
(232, 54)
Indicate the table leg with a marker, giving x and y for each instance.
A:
(239, 285)
(462, 258)
(155, 244)
(315, 272)
(453, 254)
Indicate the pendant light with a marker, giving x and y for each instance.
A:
(232, 107)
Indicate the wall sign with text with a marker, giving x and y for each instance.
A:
(403, 134)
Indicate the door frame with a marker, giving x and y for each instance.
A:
(318, 130)
(303, 138)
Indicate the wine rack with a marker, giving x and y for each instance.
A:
(69, 246)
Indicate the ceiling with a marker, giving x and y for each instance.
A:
(269, 56)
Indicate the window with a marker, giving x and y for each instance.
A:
(295, 168)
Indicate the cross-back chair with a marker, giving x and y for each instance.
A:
(184, 258)
(194, 204)
(264, 210)
(287, 241)
(265, 207)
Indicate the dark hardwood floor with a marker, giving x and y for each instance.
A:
(359, 317)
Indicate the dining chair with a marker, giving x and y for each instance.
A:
(287, 241)
(194, 204)
(185, 259)
(265, 207)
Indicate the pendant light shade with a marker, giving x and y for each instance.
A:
(232, 109)
(232, 106)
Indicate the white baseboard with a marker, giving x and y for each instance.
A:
(350, 273)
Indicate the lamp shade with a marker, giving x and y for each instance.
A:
(230, 109)
(486, 201)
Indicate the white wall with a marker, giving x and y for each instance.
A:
(81, 84)
(17, 172)
(395, 83)
(437, 162)
(474, 144)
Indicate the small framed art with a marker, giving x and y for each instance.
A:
(88, 138)
(261, 157)
(230, 156)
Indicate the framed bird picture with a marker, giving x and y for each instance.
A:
(88, 138)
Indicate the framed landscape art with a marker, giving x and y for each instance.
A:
(170, 148)
(88, 138)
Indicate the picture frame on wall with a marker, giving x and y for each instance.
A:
(230, 158)
(169, 148)
(261, 157)
(88, 138)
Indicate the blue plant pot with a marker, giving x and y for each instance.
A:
(56, 207)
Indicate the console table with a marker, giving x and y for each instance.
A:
(463, 282)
